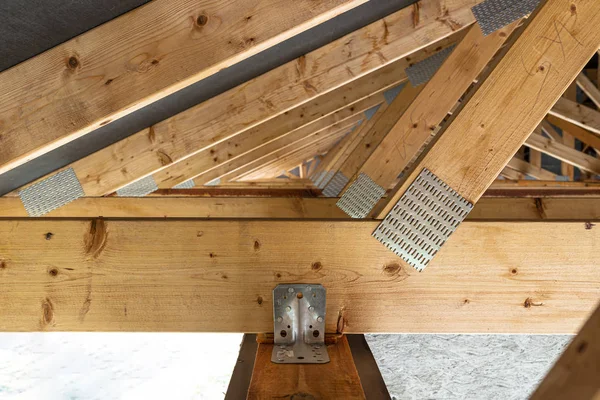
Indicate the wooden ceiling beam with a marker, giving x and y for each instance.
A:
(134, 60)
(510, 102)
(573, 208)
(271, 94)
(531, 170)
(416, 125)
(203, 275)
(564, 153)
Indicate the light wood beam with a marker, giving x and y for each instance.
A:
(549, 129)
(431, 106)
(571, 208)
(510, 102)
(202, 275)
(576, 374)
(588, 87)
(531, 170)
(282, 89)
(583, 135)
(134, 60)
(564, 153)
(577, 114)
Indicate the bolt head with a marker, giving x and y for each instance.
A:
(291, 290)
(311, 308)
(279, 319)
(320, 319)
(288, 309)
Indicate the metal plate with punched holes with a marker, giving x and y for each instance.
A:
(361, 197)
(422, 220)
(495, 14)
(299, 315)
(421, 72)
(51, 193)
(335, 185)
(139, 188)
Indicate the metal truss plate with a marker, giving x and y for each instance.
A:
(495, 14)
(335, 185)
(139, 188)
(299, 315)
(421, 72)
(189, 184)
(51, 193)
(361, 197)
(325, 180)
(422, 220)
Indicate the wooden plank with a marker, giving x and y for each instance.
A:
(309, 145)
(218, 276)
(583, 135)
(564, 153)
(550, 130)
(263, 140)
(490, 209)
(529, 188)
(589, 88)
(576, 373)
(577, 114)
(511, 101)
(431, 106)
(511, 174)
(531, 170)
(337, 379)
(134, 60)
(568, 140)
(271, 94)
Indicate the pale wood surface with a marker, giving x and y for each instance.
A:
(576, 374)
(531, 169)
(512, 100)
(589, 88)
(134, 60)
(577, 114)
(492, 209)
(169, 275)
(564, 153)
(337, 379)
(432, 105)
(271, 94)
(583, 135)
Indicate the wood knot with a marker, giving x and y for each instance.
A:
(95, 239)
(259, 300)
(589, 225)
(466, 301)
(72, 63)
(582, 347)
(256, 245)
(573, 9)
(108, 82)
(513, 271)
(47, 311)
(3, 264)
(202, 20)
(199, 234)
(316, 266)
(212, 255)
(392, 269)
(53, 272)
(49, 235)
(528, 303)
(277, 275)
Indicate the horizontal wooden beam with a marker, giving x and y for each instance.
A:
(199, 275)
(564, 153)
(577, 114)
(491, 209)
(531, 170)
(134, 60)
(583, 135)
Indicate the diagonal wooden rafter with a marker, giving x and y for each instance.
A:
(581, 134)
(509, 103)
(531, 169)
(265, 97)
(137, 59)
(432, 105)
(564, 153)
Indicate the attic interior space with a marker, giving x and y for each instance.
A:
(275, 199)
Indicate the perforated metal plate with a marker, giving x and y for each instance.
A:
(317, 179)
(325, 180)
(214, 182)
(299, 327)
(421, 72)
(189, 184)
(391, 94)
(139, 188)
(361, 197)
(335, 185)
(372, 111)
(422, 220)
(495, 14)
(51, 193)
